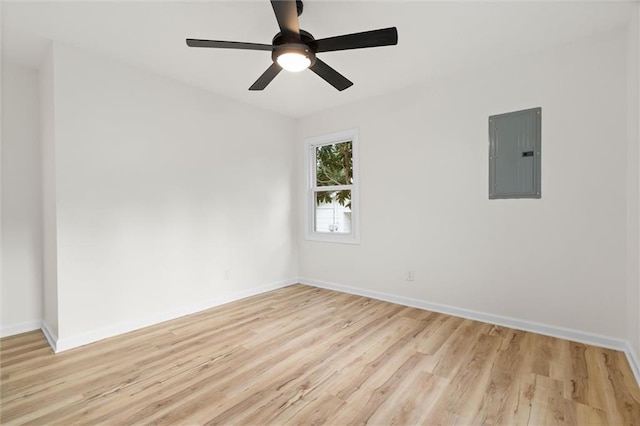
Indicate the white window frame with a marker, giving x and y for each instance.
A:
(310, 167)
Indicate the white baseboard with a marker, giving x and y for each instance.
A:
(51, 337)
(71, 342)
(534, 327)
(23, 327)
(60, 345)
(634, 361)
(531, 326)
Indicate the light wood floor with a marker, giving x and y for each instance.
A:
(312, 356)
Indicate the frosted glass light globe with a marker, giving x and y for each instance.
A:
(293, 62)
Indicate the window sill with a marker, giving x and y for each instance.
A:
(332, 238)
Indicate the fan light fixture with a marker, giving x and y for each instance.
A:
(293, 57)
(293, 61)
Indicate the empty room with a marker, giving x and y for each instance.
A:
(320, 212)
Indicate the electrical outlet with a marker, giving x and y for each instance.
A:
(227, 274)
(411, 275)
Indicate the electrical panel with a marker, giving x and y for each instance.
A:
(514, 154)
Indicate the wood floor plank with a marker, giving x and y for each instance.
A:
(472, 381)
(413, 402)
(303, 355)
(315, 381)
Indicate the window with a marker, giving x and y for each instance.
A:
(332, 165)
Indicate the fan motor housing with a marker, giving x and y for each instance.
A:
(305, 38)
(306, 46)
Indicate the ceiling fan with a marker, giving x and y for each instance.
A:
(295, 50)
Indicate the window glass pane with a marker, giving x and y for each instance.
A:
(333, 212)
(334, 164)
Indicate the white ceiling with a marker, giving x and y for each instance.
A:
(434, 39)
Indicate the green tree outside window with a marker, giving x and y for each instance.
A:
(334, 166)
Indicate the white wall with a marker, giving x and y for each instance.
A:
(49, 221)
(162, 192)
(21, 195)
(633, 182)
(560, 260)
(636, 327)
(152, 187)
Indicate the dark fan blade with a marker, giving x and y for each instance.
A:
(266, 77)
(287, 16)
(227, 44)
(330, 75)
(384, 37)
